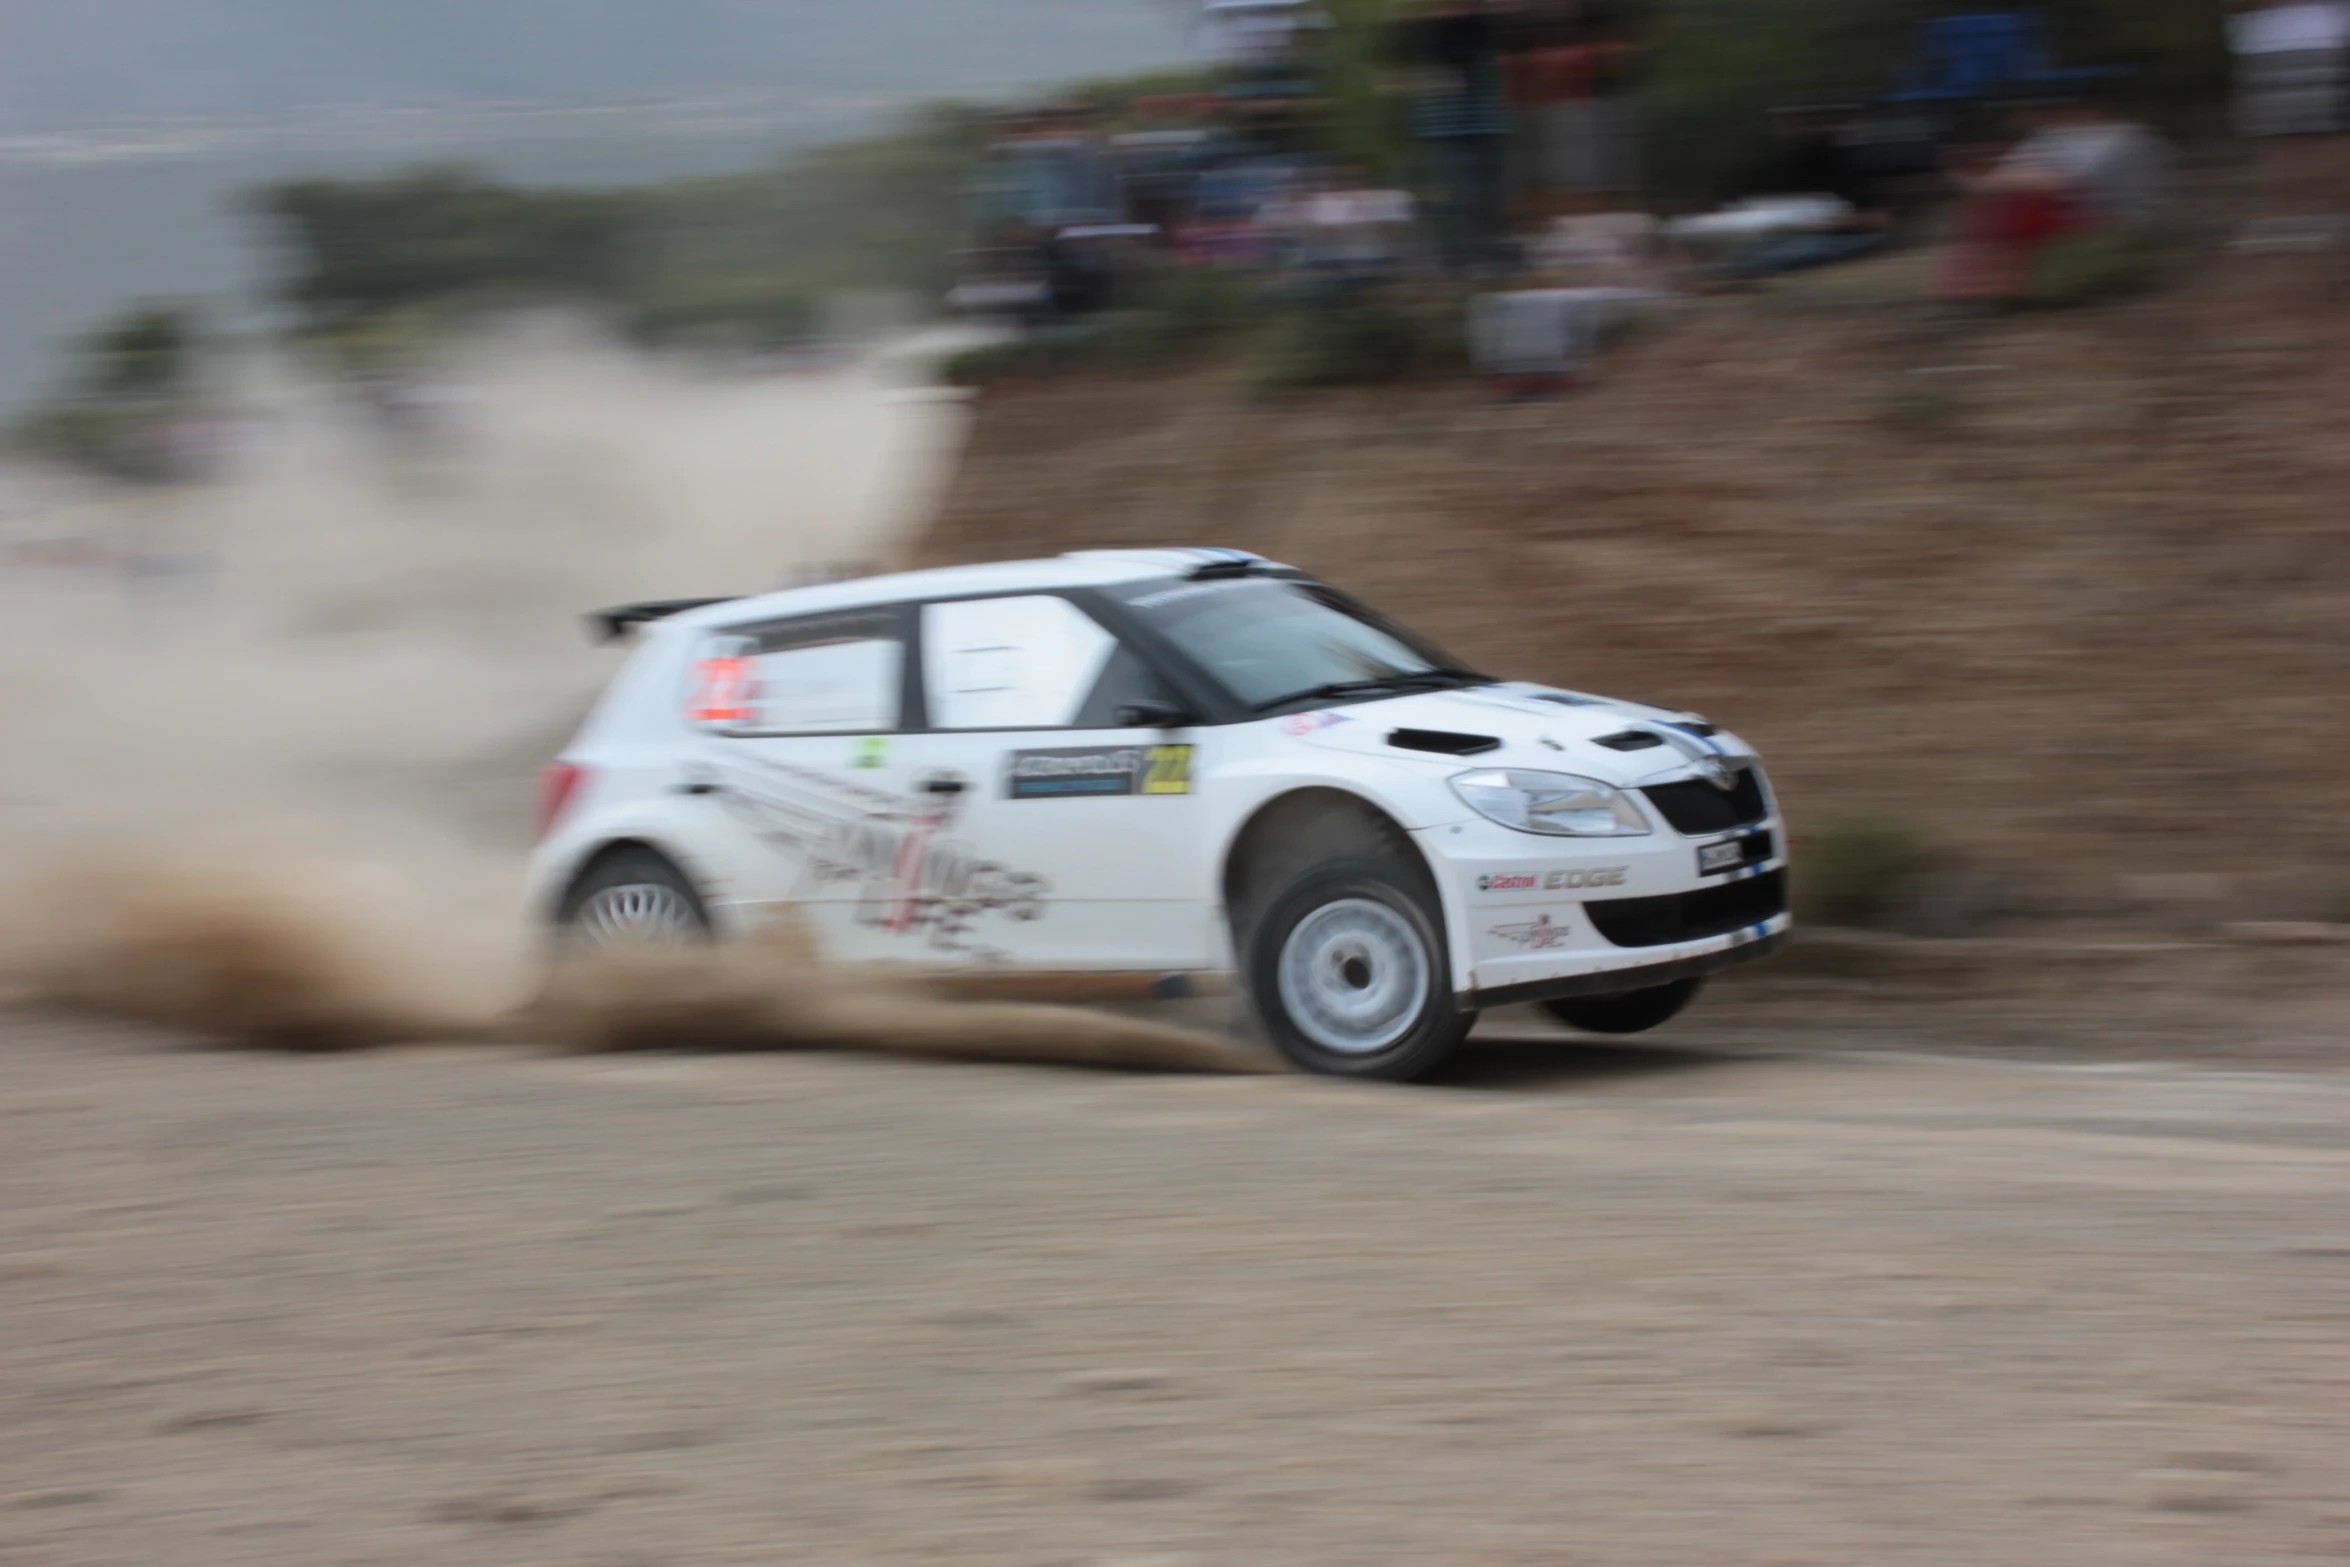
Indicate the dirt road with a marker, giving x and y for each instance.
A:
(1661, 1306)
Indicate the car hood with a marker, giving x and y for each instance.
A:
(1539, 727)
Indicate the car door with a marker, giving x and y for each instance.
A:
(798, 750)
(1065, 840)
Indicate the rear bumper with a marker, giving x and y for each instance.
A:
(1747, 949)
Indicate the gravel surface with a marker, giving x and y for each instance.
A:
(1626, 1305)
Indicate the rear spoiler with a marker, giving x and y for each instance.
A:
(614, 625)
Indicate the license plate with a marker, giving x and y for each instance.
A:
(1721, 857)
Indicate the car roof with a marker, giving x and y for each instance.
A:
(1077, 569)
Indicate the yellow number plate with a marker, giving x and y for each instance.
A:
(1170, 770)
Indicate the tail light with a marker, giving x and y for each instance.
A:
(557, 785)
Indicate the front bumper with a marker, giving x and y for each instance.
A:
(1533, 918)
(1609, 982)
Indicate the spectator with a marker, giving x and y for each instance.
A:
(1565, 90)
(1451, 49)
(1342, 228)
(2068, 209)
(2293, 98)
(2292, 68)
(1262, 44)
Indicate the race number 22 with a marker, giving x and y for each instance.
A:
(1168, 771)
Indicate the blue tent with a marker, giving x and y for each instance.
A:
(1985, 53)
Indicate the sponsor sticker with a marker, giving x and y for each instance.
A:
(1601, 876)
(1311, 723)
(1540, 934)
(872, 754)
(1080, 771)
(1170, 770)
(1554, 881)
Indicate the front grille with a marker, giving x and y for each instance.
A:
(1689, 916)
(1696, 807)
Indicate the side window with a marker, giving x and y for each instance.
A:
(1035, 662)
(821, 674)
(1125, 680)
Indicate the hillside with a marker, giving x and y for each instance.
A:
(2070, 594)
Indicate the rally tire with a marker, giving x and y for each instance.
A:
(632, 894)
(1348, 972)
(1627, 1011)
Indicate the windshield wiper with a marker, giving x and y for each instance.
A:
(1422, 679)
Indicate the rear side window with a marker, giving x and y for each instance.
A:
(818, 674)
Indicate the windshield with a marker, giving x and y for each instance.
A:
(1269, 642)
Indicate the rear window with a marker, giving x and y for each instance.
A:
(819, 674)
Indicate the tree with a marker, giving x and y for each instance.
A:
(144, 352)
(130, 382)
(443, 236)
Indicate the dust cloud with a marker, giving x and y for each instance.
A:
(773, 991)
(267, 743)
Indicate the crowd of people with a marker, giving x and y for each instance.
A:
(1513, 162)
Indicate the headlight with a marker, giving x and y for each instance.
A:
(1557, 804)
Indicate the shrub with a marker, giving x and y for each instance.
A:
(1860, 870)
(736, 313)
(1178, 314)
(1350, 339)
(1044, 351)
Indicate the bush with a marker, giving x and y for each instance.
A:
(732, 313)
(1860, 870)
(1347, 337)
(1037, 353)
(1177, 315)
(1351, 339)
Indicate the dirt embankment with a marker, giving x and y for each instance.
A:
(2069, 593)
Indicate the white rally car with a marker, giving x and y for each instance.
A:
(1170, 767)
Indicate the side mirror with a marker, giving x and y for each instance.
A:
(1151, 715)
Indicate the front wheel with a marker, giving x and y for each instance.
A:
(1348, 971)
(1627, 1011)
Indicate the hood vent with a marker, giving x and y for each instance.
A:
(1442, 741)
(1630, 740)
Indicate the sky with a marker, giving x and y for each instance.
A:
(74, 63)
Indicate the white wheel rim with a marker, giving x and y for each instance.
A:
(636, 911)
(1354, 976)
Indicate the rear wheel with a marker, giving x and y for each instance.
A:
(1628, 1011)
(632, 895)
(1346, 962)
